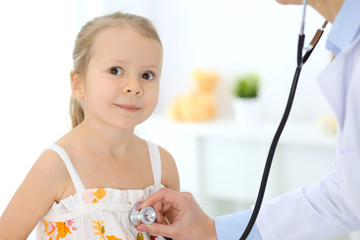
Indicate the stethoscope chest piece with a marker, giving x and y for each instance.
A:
(146, 215)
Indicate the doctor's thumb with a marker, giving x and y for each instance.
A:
(158, 229)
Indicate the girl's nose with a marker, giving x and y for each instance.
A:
(132, 87)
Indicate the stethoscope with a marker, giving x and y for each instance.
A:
(147, 215)
(301, 59)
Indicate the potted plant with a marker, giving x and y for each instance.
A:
(246, 102)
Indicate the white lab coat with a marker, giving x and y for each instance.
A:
(332, 206)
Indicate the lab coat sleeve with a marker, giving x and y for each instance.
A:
(330, 207)
(232, 226)
(317, 212)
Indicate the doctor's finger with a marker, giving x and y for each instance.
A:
(160, 213)
(166, 197)
(162, 206)
(160, 229)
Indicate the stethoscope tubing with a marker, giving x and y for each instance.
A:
(270, 156)
(301, 59)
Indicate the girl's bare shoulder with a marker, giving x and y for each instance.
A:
(169, 172)
(51, 166)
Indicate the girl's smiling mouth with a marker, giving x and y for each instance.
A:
(129, 108)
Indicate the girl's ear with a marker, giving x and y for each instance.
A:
(76, 85)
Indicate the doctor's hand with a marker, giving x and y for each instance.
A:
(190, 223)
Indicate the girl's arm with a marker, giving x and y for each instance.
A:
(170, 178)
(43, 185)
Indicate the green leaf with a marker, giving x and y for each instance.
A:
(247, 86)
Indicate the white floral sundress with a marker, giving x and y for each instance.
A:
(97, 213)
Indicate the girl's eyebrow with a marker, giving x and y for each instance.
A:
(124, 62)
(154, 66)
(113, 61)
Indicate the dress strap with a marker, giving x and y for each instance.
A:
(75, 178)
(155, 162)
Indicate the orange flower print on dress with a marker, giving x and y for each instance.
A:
(58, 230)
(99, 194)
(62, 230)
(112, 237)
(50, 229)
(99, 227)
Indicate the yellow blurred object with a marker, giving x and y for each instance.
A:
(327, 124)
(198, 104)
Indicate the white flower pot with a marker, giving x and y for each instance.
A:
(247, 110)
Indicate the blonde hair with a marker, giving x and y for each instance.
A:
(85, 39)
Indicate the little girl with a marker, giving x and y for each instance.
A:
(86, 183)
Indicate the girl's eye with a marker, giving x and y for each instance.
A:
(148, 76)
(116, 71)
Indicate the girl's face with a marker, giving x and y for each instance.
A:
(121, 85)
